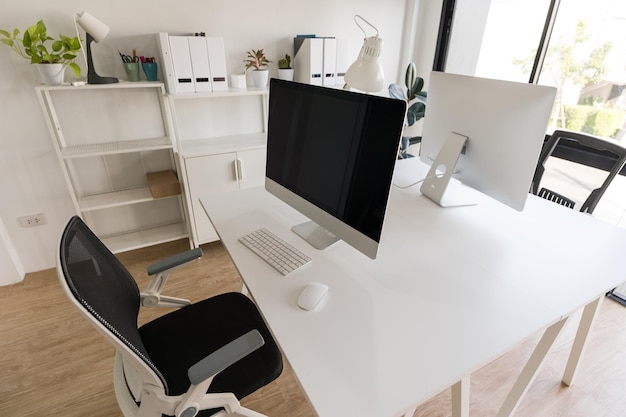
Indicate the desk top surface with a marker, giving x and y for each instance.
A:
(450, 290)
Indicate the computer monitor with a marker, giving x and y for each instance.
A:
(495, 128)
(331, 155)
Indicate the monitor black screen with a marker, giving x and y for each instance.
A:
(335, 149)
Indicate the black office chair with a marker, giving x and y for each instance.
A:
(604, 154)
(197, 360)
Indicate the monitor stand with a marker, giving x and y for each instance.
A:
(437, 186)
(317, 236)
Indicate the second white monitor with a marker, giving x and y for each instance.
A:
(505, 123)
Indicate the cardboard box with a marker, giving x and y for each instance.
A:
(163, 183)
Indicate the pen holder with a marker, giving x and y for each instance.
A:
(132, 70)
(150, 69)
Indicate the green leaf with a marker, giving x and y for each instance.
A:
(415, 112)
(75, 68)
(416, 87)
(396, 91)
(57, 46)
(409, 78)
(26, 40)
(5, 33)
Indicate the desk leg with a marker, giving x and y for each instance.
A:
(530, 369)
(584, 328)
(461, 398)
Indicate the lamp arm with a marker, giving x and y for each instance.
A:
(82, 48)
(357, 23)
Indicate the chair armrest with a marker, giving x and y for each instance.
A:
(225, 356)
(201, 376)
(174, 261)
(152, 297)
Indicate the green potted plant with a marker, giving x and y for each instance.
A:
(257, 61)
(52, 55)
(285, 72)
(416, 110)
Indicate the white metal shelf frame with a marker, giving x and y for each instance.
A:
(83, 204)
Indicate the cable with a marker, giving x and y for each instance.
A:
(404, 187)
(357, 23)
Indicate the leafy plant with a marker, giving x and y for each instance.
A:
(574, 60)
(256, 59)
(285, 63)
(415, 111)
(33, 46)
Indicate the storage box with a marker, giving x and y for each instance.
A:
(163, 183)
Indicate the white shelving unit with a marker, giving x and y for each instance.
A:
(221, 144)
(107, 137)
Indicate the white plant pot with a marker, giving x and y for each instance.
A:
(285, 74)
(51, 74)
(259, 77)
(238, 81)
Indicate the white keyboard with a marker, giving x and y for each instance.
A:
(276, 252)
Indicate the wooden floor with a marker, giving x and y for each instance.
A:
(52, 363)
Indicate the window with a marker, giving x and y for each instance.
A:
(577, 46)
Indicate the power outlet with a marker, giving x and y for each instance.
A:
(34, 220)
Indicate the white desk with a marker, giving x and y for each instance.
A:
(451, 290)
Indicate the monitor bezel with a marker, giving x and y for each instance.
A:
(352, 236)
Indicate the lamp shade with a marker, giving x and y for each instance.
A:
(93, 26)
(366, 73)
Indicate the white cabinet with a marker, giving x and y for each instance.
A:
(222, 141)
(107, 137)
(217, 173)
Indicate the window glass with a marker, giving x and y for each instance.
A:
(512, 34)
(586, 61)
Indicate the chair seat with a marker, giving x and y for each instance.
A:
(178, 340)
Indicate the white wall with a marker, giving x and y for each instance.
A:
(30, 177)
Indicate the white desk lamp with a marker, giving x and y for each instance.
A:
(366, 73)
(95, 31)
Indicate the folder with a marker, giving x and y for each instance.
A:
(167, 68)
(308, 60)
(342, 63)
(217, 63)
(200, 64)
(181, 61)
(329, 62)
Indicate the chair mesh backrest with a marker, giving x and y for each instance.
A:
(600, 153)
(103, 286)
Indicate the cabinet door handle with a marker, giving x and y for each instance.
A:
(238, 170)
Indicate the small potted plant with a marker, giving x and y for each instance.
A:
(51, 55)
(257, 60)
(285, 72)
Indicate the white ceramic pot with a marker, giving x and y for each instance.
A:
(51, 74)
(260, 78)
(285, 74)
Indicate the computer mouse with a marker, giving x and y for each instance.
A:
(311, 295)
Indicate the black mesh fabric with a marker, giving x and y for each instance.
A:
(102, 285)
